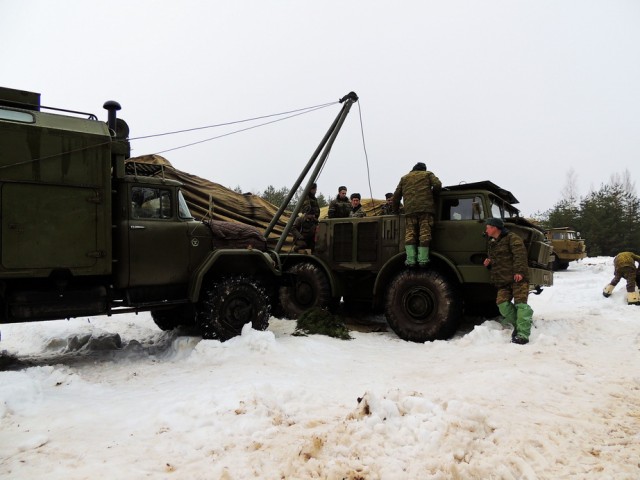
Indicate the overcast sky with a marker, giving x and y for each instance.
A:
(518, 92)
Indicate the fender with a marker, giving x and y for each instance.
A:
(295, 258)
(263, 260)
(396, 262)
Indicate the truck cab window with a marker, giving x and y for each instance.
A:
(462, 209)
(183, 209)
(150, 202)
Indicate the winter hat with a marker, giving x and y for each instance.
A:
(388, 195)
(342, 187)
(495, 222)
(420, 166)
(355, 195)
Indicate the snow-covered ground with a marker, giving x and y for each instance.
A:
(118, 398)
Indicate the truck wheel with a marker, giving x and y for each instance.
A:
(422, 306)
(559, 265)
(229, 304)
(310, 289)
(170, 318)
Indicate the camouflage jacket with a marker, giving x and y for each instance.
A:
(304, 226)
(386, 209)
(358, 212)
(625, 259)
(418, 189)
(508, 256)
(310, 205)
(339, 208)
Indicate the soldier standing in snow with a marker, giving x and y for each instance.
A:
(418, 188)
(624, 265)
(507, 260)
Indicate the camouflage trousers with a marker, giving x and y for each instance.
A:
(629, 274)
(518, 291)
(418, 224)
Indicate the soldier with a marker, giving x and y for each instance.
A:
(507, 260)
(418, 188)
(356, 207)
(310, 203)
(624, 265)
(304, 231)
(387, 207)
(340, 206)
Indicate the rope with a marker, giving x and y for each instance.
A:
(237, 131)
(295, 113)
(303, 110)
(366, 156)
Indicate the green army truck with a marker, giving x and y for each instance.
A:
(362, 261)
(86, 232)
(567, 246)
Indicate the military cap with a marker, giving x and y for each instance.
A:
(495, 222)
(420, 166)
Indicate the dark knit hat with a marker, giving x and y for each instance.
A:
(355, 195)
(388, 195)
(420, 166)
(341, 187)
(495, 222)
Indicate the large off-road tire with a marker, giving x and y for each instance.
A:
(422, 305)
(310, 288)
(171, 318)
(230, 303)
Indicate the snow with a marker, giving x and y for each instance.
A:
(117, 398)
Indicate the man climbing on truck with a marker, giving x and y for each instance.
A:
(418, 188)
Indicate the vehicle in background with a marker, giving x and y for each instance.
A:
(567, 246)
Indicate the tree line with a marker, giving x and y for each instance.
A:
(277, 196)
(607, 218)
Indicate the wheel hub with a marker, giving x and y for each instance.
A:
(419, 304)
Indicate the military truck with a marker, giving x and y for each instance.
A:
(362, 262)
(87, 231)
(567, 246)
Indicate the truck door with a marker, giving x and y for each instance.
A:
(158, 239)
(458, 233)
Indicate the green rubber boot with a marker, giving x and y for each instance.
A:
(411, 255)
(523, 322)
(423, 256)
(508, 311)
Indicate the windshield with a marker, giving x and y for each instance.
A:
(183, 209)
(502, 209)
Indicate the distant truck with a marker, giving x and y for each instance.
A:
(362, 261)
(567, 246)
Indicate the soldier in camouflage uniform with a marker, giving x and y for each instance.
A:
(304, 231)
(418, 188)
(310, 203)
(356, 207)
(340, 207)
(624, 265)
(387, 208)
(507, 260)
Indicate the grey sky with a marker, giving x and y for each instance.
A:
(517, 92)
